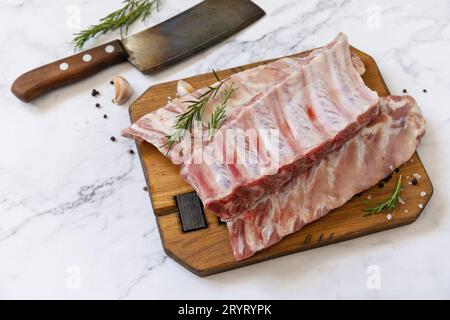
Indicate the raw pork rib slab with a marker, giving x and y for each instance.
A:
(253, 84)
(315, 110)
(386, 143)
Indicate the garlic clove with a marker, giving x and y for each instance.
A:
(358, 64)
(122, 89)
(184, 88)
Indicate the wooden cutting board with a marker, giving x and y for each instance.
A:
(207, 251)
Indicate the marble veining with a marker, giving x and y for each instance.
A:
(75, 221)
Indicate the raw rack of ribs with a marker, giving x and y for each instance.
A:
(314, 110)
(334, 138)
(386, 143)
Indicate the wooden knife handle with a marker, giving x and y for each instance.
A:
(37, 82)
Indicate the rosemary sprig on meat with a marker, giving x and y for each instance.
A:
(218, 114)
(194, 112)
(123, 18)
(389, 204)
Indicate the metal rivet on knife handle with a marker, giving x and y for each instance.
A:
(87, 57)
(191, 213)
(64, 66)
(109, 49)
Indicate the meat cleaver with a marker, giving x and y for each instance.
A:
(150, 50)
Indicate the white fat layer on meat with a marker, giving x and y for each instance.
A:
(330, 176)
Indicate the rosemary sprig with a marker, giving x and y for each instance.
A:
(388, 204)
(122, 18)
(194, 112)
(218, 114)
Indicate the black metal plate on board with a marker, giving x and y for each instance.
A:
(191, 212)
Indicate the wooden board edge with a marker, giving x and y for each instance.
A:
(368, 56)
(429, 179)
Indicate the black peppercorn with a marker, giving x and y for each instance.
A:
(131, 151)
(414, 181)
(105, 116)
(94, 93)
(144, 188)
(111, 82)
(97, 105)
(113, 139)
(405, 91)
(424, 90)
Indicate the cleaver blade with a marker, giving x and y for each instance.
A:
(193, 30)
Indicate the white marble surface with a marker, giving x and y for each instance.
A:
(75, 222)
